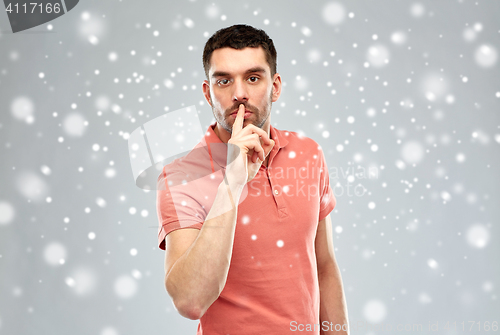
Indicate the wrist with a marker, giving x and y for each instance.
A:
(233, 188)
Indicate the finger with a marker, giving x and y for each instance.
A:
(253, 143)
(252, 129)
(253, 156)
(238, 122)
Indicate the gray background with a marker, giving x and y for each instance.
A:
(78, 240)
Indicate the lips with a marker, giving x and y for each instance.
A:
(246, 116)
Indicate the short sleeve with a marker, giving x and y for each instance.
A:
(327, 198)
(176, 206)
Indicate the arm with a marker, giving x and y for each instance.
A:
(197, 262)
(333, 307)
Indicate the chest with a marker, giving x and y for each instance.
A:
(280, 210)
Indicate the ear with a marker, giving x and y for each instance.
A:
(276, 87)
(206, 92)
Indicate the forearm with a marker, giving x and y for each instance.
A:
(333, 307)
(197, 277)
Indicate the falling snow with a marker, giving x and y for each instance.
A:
(403, 101)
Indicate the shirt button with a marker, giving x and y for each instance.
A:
(276, 192)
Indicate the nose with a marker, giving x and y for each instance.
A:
(240, 92)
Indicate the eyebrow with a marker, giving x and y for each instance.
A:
(251, 70)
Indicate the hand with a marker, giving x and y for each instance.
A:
(247, 149)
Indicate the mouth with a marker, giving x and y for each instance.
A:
(246, 116)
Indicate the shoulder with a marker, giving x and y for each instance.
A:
(297, 140)
(187, 168)
(301, 148)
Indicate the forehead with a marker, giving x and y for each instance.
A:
(238, 60)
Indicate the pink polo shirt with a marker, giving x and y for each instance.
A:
(272, 279)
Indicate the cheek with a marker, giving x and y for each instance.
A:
(222, 98)
(216, 103)
(264, 96)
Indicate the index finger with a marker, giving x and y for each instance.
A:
(238, 122)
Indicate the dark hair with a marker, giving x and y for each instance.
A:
(240, 36)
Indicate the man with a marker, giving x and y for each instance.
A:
(249, 240)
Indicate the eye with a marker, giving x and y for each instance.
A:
(253, 79)
(223, 82)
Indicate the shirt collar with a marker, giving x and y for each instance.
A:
(279, 137)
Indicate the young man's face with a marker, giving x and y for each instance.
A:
(241, 77)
